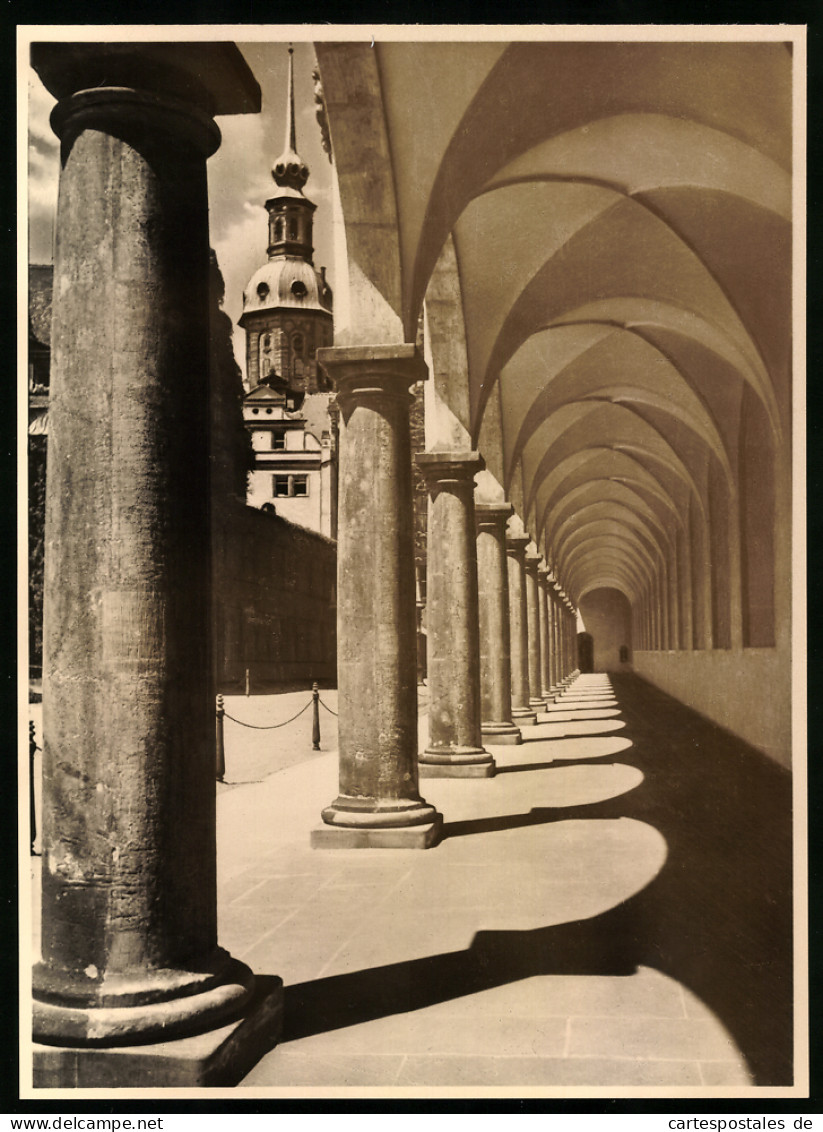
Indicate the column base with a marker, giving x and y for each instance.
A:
(537, 703)
(523, 715)
(461, 762)
(127, 1010)
(399, 837)
(502, 733)
(219, 1057)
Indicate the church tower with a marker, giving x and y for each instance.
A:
(287, 305)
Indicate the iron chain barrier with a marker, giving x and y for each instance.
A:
(222, 714)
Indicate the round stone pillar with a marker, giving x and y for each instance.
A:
(379, 805)
(554, 644)
(561, 639)
(129, 950)
(493, 593)
(455, 747)
(516, 545)
(564, 611)
(545, 685)
(572, 634)
(536, 701)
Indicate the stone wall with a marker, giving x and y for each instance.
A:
(606, 615)
(274, 602)
(747, 691)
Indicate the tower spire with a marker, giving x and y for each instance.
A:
(291, 136)
(289, 170)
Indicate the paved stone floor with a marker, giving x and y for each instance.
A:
(612, 909)
(602, 912)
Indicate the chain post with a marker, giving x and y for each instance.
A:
(32, 811)
(220, 744)
(315, 725)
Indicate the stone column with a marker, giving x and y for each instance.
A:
(554, 643)
(545, 685)
(334, 486)
(379, 805)
(420, 622)
(455, 747)
(536, 701)
(129, 953)
(519, 626)
(493, 593)
(562, 669)
(572, 622)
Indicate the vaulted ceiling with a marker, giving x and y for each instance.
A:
(613, 222)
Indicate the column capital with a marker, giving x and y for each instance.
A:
(440, 466)
(491, 516)
(516, 545)
(543, 572)
(147, 117)
(367, 372)
(213, 76)
(533, 563)
(152, 91)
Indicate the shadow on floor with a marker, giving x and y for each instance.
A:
(717, 918)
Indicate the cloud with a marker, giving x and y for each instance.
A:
(239, 175)
(43, 171)
(240, 250)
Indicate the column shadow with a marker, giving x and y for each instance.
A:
(717, 918)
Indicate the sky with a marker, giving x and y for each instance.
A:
(239, 173)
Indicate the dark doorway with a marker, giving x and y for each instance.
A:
(585, 652)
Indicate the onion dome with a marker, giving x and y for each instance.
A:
(286, 282)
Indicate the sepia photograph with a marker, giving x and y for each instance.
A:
(412, 674)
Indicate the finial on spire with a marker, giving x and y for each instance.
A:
(289, 170)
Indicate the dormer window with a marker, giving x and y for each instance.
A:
(299, 289)
(262, 290)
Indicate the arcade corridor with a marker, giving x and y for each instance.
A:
(563, 334)
(594, 915)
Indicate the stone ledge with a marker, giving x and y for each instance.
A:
(218, 1057)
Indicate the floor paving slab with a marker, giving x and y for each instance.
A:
(552, 938)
